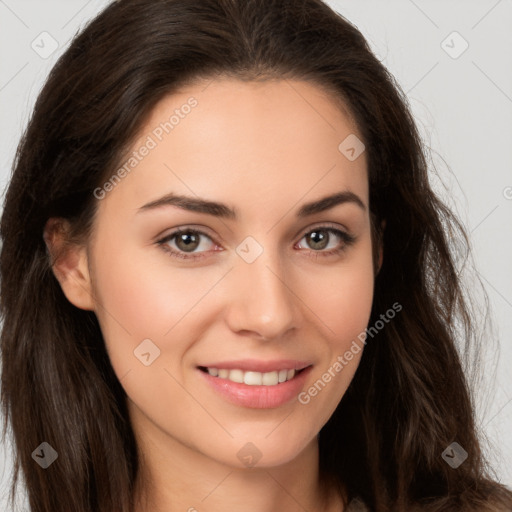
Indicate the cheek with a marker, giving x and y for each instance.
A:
(342, 297)
(136, 300)
(143, 295)
(342, 300)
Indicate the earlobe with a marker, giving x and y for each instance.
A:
(69, 263)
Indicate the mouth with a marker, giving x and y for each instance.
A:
(277, 384)
(253, 378)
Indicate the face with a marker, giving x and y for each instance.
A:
(224, 323)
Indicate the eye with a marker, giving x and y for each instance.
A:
(186, 241)
(321, 237)
(183, 243)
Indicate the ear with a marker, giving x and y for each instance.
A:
(381, 246)
(69, 263)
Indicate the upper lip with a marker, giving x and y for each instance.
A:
(254, 365)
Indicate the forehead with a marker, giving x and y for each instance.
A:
(259, 145)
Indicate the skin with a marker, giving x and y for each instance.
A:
(265, 149)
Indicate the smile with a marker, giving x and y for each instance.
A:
(265, 389)
(252, 378)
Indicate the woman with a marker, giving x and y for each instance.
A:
(226, 281)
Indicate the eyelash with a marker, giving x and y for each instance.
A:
(347, 241)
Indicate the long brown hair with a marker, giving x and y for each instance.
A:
(409, 399)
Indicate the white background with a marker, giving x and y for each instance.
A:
(463, 107)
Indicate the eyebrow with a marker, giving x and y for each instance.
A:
(197, 204)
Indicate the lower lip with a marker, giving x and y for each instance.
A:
(258, 397)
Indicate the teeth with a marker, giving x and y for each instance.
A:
(270, 378)
(236, 376)
(253, 378)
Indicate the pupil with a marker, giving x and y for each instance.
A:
(318, 238)
(188, 239)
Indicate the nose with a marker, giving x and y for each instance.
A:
(262, 303)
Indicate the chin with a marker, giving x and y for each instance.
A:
(277, 449)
